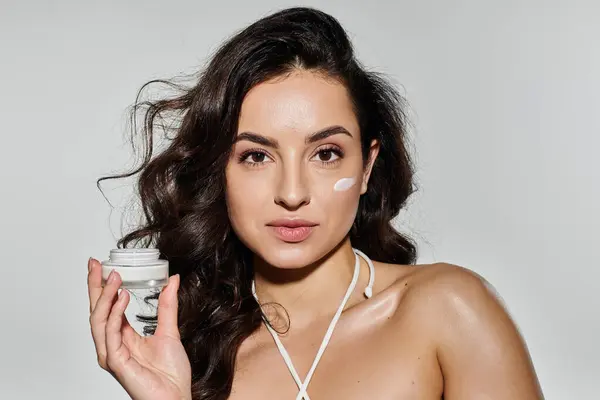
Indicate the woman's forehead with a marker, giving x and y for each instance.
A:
(301, 103)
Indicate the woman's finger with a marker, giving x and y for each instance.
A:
(167, 309)
(114, 337)
(100, 313)
(94, 281)
(104, 302)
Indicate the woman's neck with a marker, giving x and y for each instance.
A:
(309, 292)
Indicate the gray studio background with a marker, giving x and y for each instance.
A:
(504, 100)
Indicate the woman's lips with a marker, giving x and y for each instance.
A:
(292, 234)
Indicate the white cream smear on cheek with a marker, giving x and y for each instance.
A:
(344, 184)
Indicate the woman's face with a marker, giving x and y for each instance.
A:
(296, 171)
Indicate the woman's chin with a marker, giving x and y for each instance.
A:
(289, 256)
(293, 256)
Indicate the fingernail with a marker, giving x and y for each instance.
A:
(89, 264)
(111, 277)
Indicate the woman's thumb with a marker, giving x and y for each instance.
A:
(167, 309)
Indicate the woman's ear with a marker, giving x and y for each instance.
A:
(373, 152)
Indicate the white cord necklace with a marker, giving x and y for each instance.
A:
(302, 394)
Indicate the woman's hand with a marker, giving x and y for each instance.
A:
(152, 367)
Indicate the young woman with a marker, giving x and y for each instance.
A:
(273, 204)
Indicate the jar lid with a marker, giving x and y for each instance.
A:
(134, 256)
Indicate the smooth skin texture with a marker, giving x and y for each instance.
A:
(428, 330)
(293, 145)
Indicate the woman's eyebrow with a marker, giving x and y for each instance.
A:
(326, 132)
(259, 139)
(314, 137)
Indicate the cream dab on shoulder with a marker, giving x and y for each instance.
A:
(344, 184)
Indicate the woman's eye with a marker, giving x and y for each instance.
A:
(327, 155)
(254, 157)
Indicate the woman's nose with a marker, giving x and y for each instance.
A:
(292, 190)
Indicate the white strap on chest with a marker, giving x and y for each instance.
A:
(302, 386)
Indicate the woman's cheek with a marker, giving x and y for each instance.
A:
(342, 201)
(252, 191)
(244, 199)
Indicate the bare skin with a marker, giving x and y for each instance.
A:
(428, 331)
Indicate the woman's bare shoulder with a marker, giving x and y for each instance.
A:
(439, 295)
(441, 281)
(469, 326)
